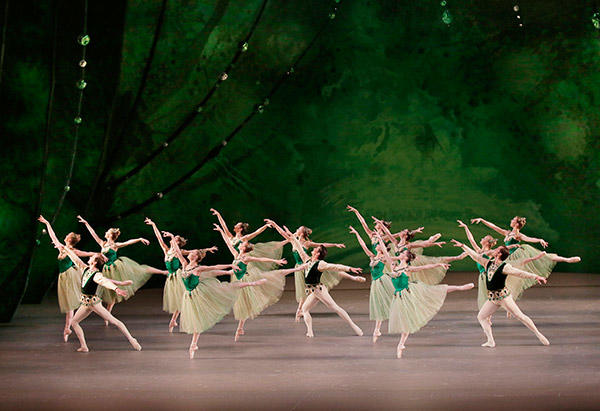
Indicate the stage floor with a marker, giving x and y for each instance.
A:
(275, 366)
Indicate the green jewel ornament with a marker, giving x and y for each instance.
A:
(244, 46)
(596, 20)
(332, 16)
(81, 84)
(84, 39)
(67, 188)
(77, 120)
(446, 17)
(443, 3)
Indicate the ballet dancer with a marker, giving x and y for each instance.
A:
(119, 267)
(253, 300)
(497, 269)
(69, 277)
(315, 289)
(329, 278)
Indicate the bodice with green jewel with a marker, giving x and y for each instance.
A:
(511, 240)
(480, 267)
(400, 282)
(235, 242)
(241, 270)
(297, 258)
(64, 264)
(190, 281)
(377, 270)
(172, 263)
(111, 255)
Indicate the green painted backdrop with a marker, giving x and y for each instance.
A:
(390, 110)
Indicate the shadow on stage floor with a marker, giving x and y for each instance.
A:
(275, 366)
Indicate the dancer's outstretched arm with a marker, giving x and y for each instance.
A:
(296, 244)
(212, 273)
(276, 226)
(74, 257)
(386, 231)
(368, 252)
(430, 242)
(314, 244)
(221, 221)
(510, 270)
(537, 257)
(132, 241)
(325, 266)
(56, 241)
(490, 225)
(227, 240)
(211, 250)
(415, 231)
(91, 230)
(250, 236)
(251, 258)
(470, 236)
(362, 221)
(386, 255)
(541, 241)
(474, 256)
(158, 235)
(452, 258)
(427, 266)
(178, 254)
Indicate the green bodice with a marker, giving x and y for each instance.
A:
(235, 242)
(173, 265)
(377, 270)
(64, 264)
(111, 255)
(511, 241)
(190, 282)
(400, 283)
(297, 258)
(480, 267)
(241, 271)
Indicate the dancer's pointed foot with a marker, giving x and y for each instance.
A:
(573, 260)
(237, 335)
(543, 339)
(258, 282)
(508, 315)
(467, 287)
(136, 345)
(490, 344)
(172, 324)
(83, 348)
(193, 349)
(357, 330)
(310, 334)
(399, 351)
(105, 323)
(298, 316)
(376, 335)
(66, 334)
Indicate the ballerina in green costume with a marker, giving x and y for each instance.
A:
(415, 303)
(69, 277)
(329, 278)
(173, 290)
(526, 257)
(382, 290)
(249, 268)
(205, 300)
(120, 268)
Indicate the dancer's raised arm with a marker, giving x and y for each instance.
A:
(510, 270)
(470, 236)
(74, 257)
(91, 230)
(227, 240)
(541, 241)
(277, 228)
(250, 236)
(362, 221)
(296, 244)
(412, 268)
(132, 241)
(386, 231)
(368, 252)
(221, 221)
(490, 225)
(471, 253)
(250, 258)
(325, 266)
(158, 235)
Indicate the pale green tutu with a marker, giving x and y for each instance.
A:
(481, 291)
(431, 276)
(252, 301)
(173, 292)
(206, 305)
(69, 290)
(381, 295)
(542, 267)
(415, 307)
(272, 249)
(124, 269)
(299, 285)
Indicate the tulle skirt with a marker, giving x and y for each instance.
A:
(431, 276)
(481, 291)
(299, 285)
(252, 301)
(69, 290)
(415, 307)
(124, 269)
(542, 267)
(272, 249)
(173, 292)
(381, 295)
(202, 308)
(328, 278)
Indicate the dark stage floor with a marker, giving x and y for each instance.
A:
(276, 367)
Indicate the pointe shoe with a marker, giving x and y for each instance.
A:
(66, 334)
(172, 324)
(238, 334)
(376, 335)
(574, 260)
(358, 331)
(399, 351)
(192, 351)
(298, 316)
(83, 349)
(489, 344)
(543, 340)
(310, 334)
(467, 287)
(136, 345)
(106, 323)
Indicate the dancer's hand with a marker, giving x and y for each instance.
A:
(355, 270)
(81, 219)
(42, 220)
(544, 243)
(212, 249)
(359, 279)
(269, 222)
(435, 237)
(352, 230)
(461, 224)
(444, 265)
(167, 234)
(217, 227)
(148, 221)
(121, 292)
(340, 245)
(456, 243)
(144, 241)
(214, 212)
(352, 209)
(540, 280)
(127, 282)
(419, 230)
(439, 243)
(287, 230)
(282, 261)
(476, 220)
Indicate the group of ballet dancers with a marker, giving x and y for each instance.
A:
(405, 288)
